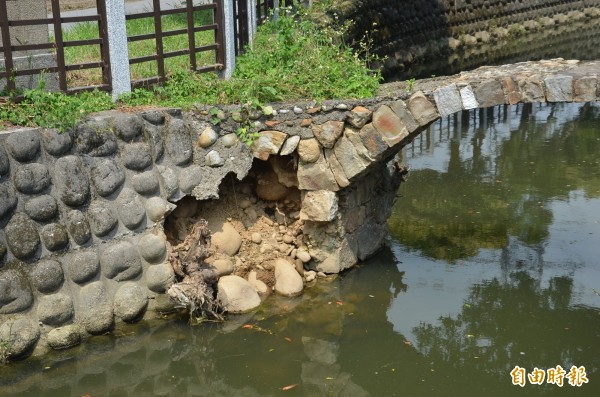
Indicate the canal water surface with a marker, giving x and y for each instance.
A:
(493, 265)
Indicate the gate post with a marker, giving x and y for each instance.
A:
(117, 47)
(251, 21)
(228, 38)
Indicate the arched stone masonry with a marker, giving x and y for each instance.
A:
(81, 240)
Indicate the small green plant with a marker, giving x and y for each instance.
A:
(246, 131)
(410, 84)
(4, 354)
(214, 119)
(246, 135)
(5, 348)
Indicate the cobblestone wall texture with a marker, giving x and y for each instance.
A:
(81, 240)
(461, 31)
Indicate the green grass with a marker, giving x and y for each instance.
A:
(91, 53)
(293, 58)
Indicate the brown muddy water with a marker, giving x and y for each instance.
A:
(493, 264)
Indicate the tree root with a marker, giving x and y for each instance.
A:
(196, 286)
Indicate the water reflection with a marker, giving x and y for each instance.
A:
(506, 165)
(514, 322)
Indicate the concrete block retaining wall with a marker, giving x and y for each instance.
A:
(81, 239)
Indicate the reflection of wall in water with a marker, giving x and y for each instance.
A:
(442, 37)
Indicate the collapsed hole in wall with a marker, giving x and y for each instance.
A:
(254, 222)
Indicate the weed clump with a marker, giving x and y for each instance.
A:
(292, 58)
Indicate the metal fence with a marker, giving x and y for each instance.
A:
(212, 21)
(241, 30)
(11, 72)
(232, 23)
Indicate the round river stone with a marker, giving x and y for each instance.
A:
(160, 277)
(83, 266)
(2, 250)
(4, 162)
(121, 262)
(22, 236)
(178, 142)
(32, 178)
(157, 208)
(189, 178)
(95, 137)
(107, 177)
(102, 218)
(55, 236)
(41, 208)
(55, 309)
(23, 145)
(70, 180)
(15, 292)
(152, 248)
(136, 156)
(21, 334)
(47, 276)
(145, 183)
(128, 126)
(64, 337)
(95, 305)
(8, 199)
(131, 209)
(131, 301)
(169, 180)
(78, 227)
(57, 143)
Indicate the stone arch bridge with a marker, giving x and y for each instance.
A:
(82, 245)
